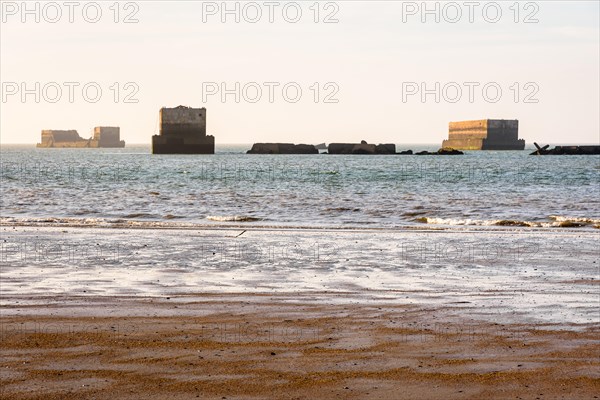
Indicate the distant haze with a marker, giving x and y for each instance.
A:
(374, 61)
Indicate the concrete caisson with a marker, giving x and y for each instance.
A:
(183, 131)
(485, 134)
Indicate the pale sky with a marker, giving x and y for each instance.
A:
(374, 58)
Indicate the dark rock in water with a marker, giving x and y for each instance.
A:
(445, 151)
(361, 148)
(406, 152)
(321, 146)
(449, 151)
(282, 148)
(350, 148)
(569, 150)
(386, 148)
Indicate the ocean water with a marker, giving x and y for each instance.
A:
(131, 187)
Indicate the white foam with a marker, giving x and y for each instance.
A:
(557, 223)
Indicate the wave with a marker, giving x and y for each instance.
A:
(85, 222)
(232, 218)
(558, 218)
(342, 209)
(226, 222)
(558, 222)
(171, 216)
(140, 215)
(240, 221)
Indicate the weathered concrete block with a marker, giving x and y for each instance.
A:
(282, 148)
(486, 134)
(361, 148)
(183, 131)
(385, 148)
(340, 148)
(61, 138)
(107, 136)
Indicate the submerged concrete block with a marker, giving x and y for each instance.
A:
(444, 151)
(385, 148)
(361, 148)
(282, 148)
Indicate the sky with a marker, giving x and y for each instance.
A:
(302, 72)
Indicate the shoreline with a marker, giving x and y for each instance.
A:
(423, 227)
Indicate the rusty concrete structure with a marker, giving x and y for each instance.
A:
(183, 131)
(103, 137)
(485, 134)
(282, 148)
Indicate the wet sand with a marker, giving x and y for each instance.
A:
(503, 276)
(240, 346)
(97, 313)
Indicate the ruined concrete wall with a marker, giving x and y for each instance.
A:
(71, 139)
(62, 138)
(183, 121)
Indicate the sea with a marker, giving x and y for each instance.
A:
(132, 187)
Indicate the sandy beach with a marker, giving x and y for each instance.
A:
(286, 346)
(239, 314)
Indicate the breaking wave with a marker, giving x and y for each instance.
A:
(584, 220)
(232, 218)
(557, 222)
(228, 221)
